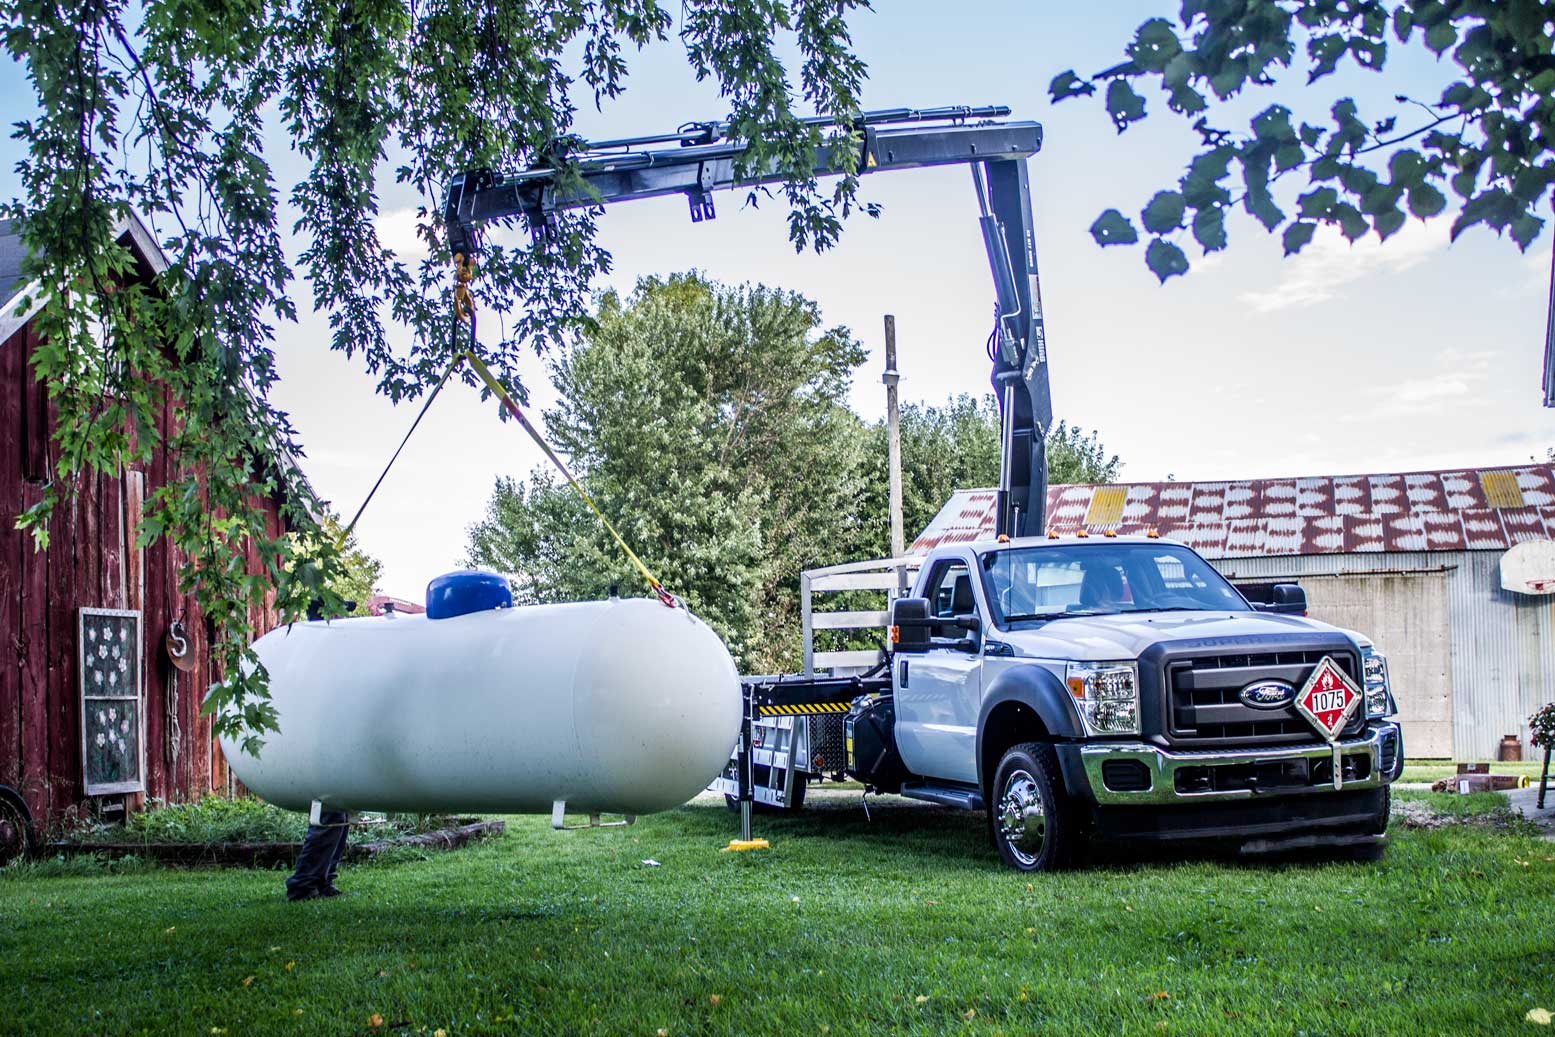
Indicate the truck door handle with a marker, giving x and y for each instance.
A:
(904, 673)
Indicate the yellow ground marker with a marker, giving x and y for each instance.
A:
(741, 845)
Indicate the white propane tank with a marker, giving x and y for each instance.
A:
(621, 706)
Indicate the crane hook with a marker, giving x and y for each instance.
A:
(464, 302)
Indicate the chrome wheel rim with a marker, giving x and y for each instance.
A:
(1022, 819)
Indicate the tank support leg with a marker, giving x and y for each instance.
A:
(747, 774)
(559, 819)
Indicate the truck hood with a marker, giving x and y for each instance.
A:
(1124, 636)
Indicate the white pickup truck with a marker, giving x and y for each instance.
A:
(1111, 688)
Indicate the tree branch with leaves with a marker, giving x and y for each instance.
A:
(1487, 138)
(164, 108)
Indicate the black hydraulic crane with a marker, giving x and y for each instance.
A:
(698, 159)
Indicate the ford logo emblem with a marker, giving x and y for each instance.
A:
(1268, 694)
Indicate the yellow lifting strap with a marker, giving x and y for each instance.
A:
(464, 310)
(480, 368)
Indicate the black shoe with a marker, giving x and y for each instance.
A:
(305, 894)
(331, 891)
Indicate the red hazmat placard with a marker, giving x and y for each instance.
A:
(1328, 699)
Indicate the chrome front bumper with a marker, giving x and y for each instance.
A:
(1164, 766)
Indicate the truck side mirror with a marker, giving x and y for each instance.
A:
(1290, 597)
(911, 626)
(1287, 598)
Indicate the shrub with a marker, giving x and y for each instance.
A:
(217, 819)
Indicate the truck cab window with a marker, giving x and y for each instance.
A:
(1057, 580)
(952, 594)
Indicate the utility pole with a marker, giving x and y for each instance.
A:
(894, 448)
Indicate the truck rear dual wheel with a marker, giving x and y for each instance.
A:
(1030, 819)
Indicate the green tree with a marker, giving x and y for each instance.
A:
(956, 447)
(711, 426)
(164, 105)
(1482, 148)
(355, 578)
(1075, 456)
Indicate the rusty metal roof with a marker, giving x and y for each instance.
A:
(376, 603)
(1487, 509)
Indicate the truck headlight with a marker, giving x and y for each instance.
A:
(1379, 697)
(1107, 696)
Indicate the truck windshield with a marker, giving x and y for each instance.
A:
(1051, 582)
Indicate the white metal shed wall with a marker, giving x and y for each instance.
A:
(1500, 646)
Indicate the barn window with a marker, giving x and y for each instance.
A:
(112, 722)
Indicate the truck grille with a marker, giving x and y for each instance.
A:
(1203, 707)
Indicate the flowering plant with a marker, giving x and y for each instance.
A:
(1542, 724)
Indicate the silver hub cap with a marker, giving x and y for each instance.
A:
(1022, 821)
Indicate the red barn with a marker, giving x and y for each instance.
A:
(94, 713)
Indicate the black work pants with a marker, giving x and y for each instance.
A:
(320, 855)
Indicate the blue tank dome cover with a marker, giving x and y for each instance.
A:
(460, 593)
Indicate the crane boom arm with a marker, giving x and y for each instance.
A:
(698, 160)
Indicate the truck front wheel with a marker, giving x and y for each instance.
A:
(1030, 819)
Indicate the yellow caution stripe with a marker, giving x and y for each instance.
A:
(808, 709)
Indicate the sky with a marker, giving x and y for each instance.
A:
(1414, 354)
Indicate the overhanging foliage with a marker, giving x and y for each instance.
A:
(1487, 138)
(164, 107)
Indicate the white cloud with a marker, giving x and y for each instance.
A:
(397, 232)
(1461, 375)
(1329, 264)
(1537, 266)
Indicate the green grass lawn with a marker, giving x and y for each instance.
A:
(1431, 770)
(902, 924)
(1474, 804)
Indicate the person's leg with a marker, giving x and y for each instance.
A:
(344, 832)
(315, 858)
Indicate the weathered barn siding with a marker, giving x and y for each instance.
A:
(1499, 644)
(91, 562)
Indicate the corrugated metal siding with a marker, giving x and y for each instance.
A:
(1473, 509)
(1502, 659)
(1502, 644)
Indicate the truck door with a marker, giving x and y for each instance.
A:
(939, 692)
